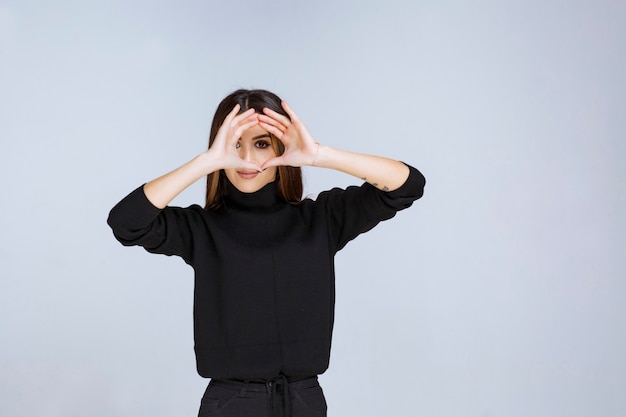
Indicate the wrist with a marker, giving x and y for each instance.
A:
(322, 156)
(207, 162)
(317, 151)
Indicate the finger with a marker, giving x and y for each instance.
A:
(232, 119)
(277, 116)
(250, 118)
(236, 124)
(271, 129)
(243, 116)
(290, 112)
(268, 120)
(273, 162)
(245, 125)
(230, 116)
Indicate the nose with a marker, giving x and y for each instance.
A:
(246, 153)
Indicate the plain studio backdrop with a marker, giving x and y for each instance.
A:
(501, 293)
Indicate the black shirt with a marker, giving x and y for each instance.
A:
(264, 270)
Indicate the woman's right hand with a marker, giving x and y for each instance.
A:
(224, 148)
(221, 155)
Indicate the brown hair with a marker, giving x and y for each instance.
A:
(289, 179)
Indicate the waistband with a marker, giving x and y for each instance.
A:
(261, 385)
(271, 387)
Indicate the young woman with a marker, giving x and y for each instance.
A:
(263, 258)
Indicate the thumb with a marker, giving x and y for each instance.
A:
(273, 162)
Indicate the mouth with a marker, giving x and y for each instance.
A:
(248, 175)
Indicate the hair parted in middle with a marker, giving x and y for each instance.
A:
(289, 179)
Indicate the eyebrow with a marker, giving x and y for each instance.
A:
(264, 135)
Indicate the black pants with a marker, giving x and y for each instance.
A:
(229, 398)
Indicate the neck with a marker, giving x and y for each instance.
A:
(265, 198)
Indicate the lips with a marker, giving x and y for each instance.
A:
(248, 175)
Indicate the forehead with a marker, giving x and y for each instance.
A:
(254, 132)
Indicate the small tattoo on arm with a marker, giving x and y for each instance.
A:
(375, 184)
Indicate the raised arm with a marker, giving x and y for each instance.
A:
(302, 150)
(383, 173)
(221, 155)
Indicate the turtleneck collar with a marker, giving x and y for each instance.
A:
(264, 199)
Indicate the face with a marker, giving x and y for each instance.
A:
(255, 145)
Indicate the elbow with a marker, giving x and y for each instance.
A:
(114, 220)
(416, 182)
(421, 185)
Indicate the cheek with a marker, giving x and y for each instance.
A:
(230, 174)
(271, 173)
(267, 154)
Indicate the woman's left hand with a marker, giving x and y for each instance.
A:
(300, 147)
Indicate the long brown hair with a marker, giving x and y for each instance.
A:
(289, 179)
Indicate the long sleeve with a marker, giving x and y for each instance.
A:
(356, 210)
(136, 221)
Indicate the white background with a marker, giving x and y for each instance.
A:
(500, 293)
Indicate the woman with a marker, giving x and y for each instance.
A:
(262, 256)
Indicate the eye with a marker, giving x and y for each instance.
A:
(262, 144)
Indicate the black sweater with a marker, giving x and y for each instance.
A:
(264, 270)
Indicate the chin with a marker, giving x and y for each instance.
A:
(248, 187)
(249, 182)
